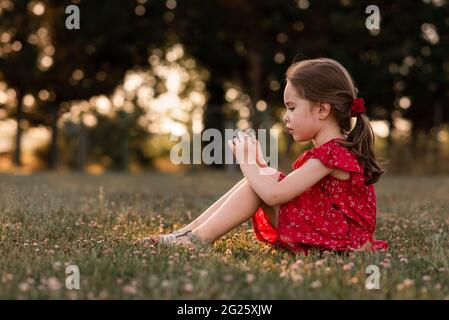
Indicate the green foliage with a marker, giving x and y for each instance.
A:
(237, 41)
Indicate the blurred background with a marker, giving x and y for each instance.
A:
(106, 97)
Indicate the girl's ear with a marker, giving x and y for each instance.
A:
(324, 109)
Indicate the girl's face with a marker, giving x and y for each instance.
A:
(300, 118)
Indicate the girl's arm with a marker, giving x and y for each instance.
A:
(270, 172)
(274, 192)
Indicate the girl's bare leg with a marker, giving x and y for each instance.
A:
(240, 206)
(206, 214)
(212, 209)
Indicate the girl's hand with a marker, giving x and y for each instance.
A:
(264, 168)
(244, 148)
(245, 144)
(259, 155)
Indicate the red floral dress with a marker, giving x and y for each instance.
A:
(331, 215)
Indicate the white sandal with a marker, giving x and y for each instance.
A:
(174, 239)
(162, 239)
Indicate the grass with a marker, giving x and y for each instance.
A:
(49, 221)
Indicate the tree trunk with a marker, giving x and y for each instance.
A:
(18, 143)
(214, 116)
(255, 69)
(390, 146)
(53, 157)
(124, 142)
(82, 148)
(125, 151)
(416, 155)
(437, 120)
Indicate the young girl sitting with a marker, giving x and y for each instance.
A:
(328, 202)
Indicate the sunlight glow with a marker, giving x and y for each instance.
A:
(380, 128)
(405, 102)
(170, 96)
(38, 8)
(429, 33)
(45, 62)
(173, 81)
(261, 105)
(103, 105)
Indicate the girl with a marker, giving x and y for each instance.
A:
(328, 202)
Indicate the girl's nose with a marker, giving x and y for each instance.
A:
(284, 118)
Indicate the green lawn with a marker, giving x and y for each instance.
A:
(49, 221)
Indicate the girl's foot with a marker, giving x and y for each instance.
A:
(197, 241)
(165, 238)
(186, 239)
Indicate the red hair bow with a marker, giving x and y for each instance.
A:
(357, 106)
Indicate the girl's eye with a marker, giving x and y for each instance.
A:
(291, 109)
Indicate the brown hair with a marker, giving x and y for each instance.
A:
(326, 80)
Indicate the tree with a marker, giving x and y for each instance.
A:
(75, 64)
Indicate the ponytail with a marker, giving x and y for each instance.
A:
(361, 142)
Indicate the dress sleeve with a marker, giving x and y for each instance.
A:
(334, 155)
